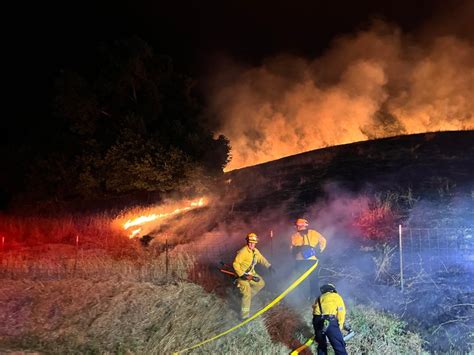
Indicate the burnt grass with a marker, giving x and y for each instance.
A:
(425, 163)
(432, 177)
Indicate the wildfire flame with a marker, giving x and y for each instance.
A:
(139, 221)
(372, 84)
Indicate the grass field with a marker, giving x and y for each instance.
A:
(54, 299)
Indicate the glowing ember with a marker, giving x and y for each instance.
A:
(138, 221)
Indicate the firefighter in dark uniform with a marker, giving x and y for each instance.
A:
(329, 313)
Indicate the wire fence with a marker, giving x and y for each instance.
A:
(414, 250)
(435, 248)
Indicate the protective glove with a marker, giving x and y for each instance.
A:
(347, 326)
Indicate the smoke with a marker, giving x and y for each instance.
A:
(375, 83)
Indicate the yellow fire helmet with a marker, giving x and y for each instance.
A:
(301, 222)
(251, 238)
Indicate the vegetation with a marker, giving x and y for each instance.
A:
(127, 123)
(83, 316)
(109, 294)
(123, 298)
(380, 333)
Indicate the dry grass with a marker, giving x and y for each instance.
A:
(82, 316)
(55, 301)
(110, 295)
(383, 259)
(63, 262)
(94, 230)
(378, 333)
(57, 298)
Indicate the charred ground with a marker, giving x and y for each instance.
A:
(423, 163)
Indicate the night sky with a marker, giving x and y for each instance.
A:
(48, 36)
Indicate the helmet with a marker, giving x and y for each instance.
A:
(301, 222)
(251, 238)
(327, 288)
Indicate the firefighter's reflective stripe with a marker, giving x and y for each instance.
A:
(263, 310)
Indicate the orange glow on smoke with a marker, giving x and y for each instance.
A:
(372, 84)
(141, 220)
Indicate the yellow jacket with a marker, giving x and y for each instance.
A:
(331, 303)
(313, 239)
(244, 259)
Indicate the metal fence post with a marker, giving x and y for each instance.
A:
(271, 244)
(401, 254)
(76, 255)
(166, 259)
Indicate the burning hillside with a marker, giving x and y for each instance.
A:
(376, 83)
(419, 166)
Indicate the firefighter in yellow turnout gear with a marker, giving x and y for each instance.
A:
(249, 282)
(329, 313)
(304, 245)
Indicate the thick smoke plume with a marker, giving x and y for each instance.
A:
(376, 83)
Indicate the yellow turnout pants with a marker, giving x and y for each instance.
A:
(247, 290)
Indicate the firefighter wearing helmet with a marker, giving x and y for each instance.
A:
(249, 282)
(305, 244)
(329, 314)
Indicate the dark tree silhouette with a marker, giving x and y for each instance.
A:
(123, 124)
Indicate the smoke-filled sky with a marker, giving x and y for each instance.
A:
(376, 82)
(279, 77)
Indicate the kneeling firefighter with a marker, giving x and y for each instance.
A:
(249, 282)
(329, 313)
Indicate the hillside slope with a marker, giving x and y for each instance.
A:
(423, 163)
(81, 316)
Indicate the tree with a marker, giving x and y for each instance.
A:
(125, 124)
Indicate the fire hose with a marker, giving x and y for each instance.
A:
(260, 312)
(311, 341)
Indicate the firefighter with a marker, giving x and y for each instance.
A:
(304, 245)
(249, 282)
(329, 313)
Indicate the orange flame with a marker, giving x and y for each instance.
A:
(139, 221)
(371, 84)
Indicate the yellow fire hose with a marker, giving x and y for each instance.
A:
(260, 312)
(302, 347)
(311, 341)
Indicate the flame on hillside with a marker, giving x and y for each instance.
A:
(141, 220)
(373, 84)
